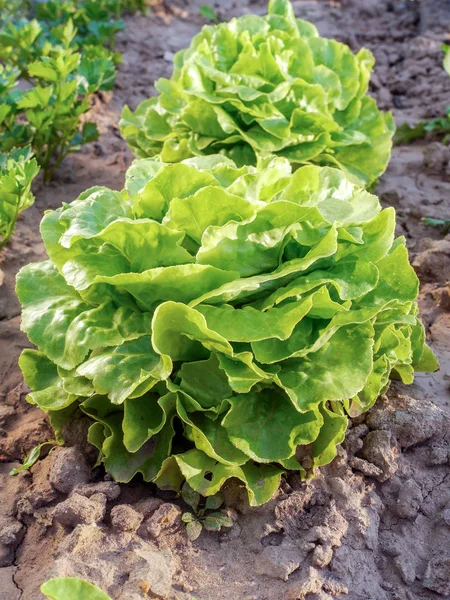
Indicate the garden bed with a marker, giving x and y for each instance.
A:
(375, 523)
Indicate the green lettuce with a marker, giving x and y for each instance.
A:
(212, 318)
(72, 588)
(260, 85)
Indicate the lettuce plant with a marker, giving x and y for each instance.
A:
(260, 85)
(211, 319)
(17, 171)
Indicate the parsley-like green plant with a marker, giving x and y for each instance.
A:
(13, 9)
(259, 85)
(210, 319)
(23, 42)
(17, 171)
(205, 513)
(95, 20)
(50, 115)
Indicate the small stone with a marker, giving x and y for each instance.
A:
(437, 575)
(23, 509)
(445, 516)
(406, 568)
(381, 449)
(78, 510)
(150, 573)
(69, 469)
(366, 468)
(110, 489)
(322, 556)
(308, 581)
(384, 97)
(278, 561)
(6, 556)
(353, 442)
(438, 455)
(41, 497)
(125, 518)
(231, 534)
(165, 519)
(409, 500)
(335, 588)
(11, 532)
(390, 543)
(100, 499)
(148, 506)
(11, 535)
(435, 158)
(434, 263)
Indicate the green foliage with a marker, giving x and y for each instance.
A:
(95, 21)
(260, 85)
(32, 458)
(8, 79)
(21, 42)
(443, 224)
(72, 588)
(207, 516)
(406, 133)
(13, 9)
(446, 64)
(210, 319)
(86, 26)
(208, 12)
(49, 116)
(17, 171)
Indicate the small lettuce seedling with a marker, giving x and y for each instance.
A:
(205, 512)
(17, 171)
(208, 12)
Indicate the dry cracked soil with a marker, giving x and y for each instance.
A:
(374, 524)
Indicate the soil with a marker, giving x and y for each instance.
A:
(373, 525)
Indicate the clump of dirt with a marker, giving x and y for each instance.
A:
(373, 525)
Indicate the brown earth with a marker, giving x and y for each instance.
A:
(373, 525)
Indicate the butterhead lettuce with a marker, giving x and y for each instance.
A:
(259, 85)
(211, 318)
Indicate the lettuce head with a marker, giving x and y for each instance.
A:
(211, 319)
(259, 85)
